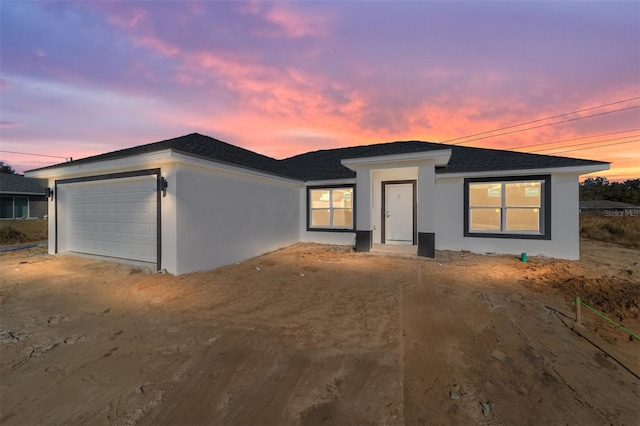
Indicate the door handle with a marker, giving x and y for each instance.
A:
(387, 213)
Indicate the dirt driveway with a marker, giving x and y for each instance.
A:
(317, 334)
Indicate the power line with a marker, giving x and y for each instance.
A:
(574, 139)
(594, 147)
(28, 153)
(549, 124)
(539, 120)
(585, 143)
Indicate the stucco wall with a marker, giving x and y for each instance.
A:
(564, 241)
(377, 177)
(214, 215)
(51, 218)
(63, 226)
(223, 217)
(321, 237)
(340, 238)
(169, 237)
(426, 199)
(38, 206)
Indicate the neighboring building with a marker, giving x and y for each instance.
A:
(22, 197)
(195, 203)
(609, 208)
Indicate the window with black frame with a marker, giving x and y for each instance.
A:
(330, 208)
(507, 207)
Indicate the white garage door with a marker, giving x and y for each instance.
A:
(115, 217)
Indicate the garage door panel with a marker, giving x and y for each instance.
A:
(116, 218)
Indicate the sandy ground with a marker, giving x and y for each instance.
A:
(317, 334)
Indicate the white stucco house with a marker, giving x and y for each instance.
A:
(195, 203)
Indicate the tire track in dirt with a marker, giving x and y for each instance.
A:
(432, 363)
(317, 334)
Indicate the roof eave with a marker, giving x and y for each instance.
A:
(145, 160)
(22, 192)
(81, 168)
(320, 182)
(441, 157)
(574, 170)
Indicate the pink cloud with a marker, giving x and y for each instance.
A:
(156, 45)
(10, 124)
(128, 18)
(285, 22)
(321, 94)
(251, 7)
(276, 100)
(143, 69)
(297, 25)
(222, 63)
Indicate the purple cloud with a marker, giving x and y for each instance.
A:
(311, 75)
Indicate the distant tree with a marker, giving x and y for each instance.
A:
(596, 181)
(633, 184)
(599, 188)
(633, 190)
(6, 168)
(593, 188)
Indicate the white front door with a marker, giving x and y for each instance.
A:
(398, 205)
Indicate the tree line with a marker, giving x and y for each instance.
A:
(6, 168)
(599, 188)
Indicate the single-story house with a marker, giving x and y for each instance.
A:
(195, 203)
(22, 197)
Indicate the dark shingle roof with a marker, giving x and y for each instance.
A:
(18, 184)
(200, 146)
(326, 164)
(467, 159)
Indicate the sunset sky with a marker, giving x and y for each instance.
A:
(80, 78)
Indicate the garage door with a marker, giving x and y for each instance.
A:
(114, 217)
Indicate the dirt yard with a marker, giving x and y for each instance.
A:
(317, 334)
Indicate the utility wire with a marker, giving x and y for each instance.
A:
(548, 124)
(594, 147)
(27, 153)
(574, 139)
(540, 119)
(585, 143)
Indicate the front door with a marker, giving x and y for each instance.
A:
(398, 212)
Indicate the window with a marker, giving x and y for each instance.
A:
(508, 208)
(330, 208)
(14, 207)
(21, 207)
(6, 207)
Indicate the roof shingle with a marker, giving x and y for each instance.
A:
(326, 164)
(18, 184)
(197, 145)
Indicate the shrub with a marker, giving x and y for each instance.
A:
(624, 230)
(23, 231)
(9, 234)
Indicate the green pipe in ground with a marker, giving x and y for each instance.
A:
(606, 317)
